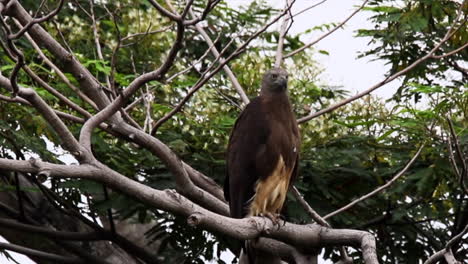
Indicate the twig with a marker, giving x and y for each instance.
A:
(17, 56)
(205, 54)
(326, 34)
(97, 40)
(146, 33)
(63, 235)
(310, 211)
(381, 188)
(452, 158)
(205, 76)
(308, 8)
(345, 259)
(450, 53)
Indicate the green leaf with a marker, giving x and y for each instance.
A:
(324, 52)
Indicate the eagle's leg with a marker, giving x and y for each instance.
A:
(274, 218)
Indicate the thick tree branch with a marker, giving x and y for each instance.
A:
(305, 237)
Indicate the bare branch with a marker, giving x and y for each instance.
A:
(205, 54)
(452, 158)
(450, 53)
(57, 94)
(345, 259)
(209, 6)
(282, 33)
(226, 68)
(381, 188)
(447, 250)
(64, 235)
(97, 40)
(16, 55)
(165, 12)
(308, 8)
(181, 171)
(309, 210)
(328, 33)
(36, 21)
(146, 33)
(68, 140)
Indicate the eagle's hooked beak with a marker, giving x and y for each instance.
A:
(282, 81)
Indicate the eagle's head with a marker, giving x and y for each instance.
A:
(275, 80)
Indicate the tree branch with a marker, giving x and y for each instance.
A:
(41, 254)
(226, 68)
(305, 237)
(36, 21)
(285, 25)
(68, 140)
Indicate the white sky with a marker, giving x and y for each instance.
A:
(341, 66)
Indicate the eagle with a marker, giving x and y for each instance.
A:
(263, 152)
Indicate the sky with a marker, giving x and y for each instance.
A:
(341, 66)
